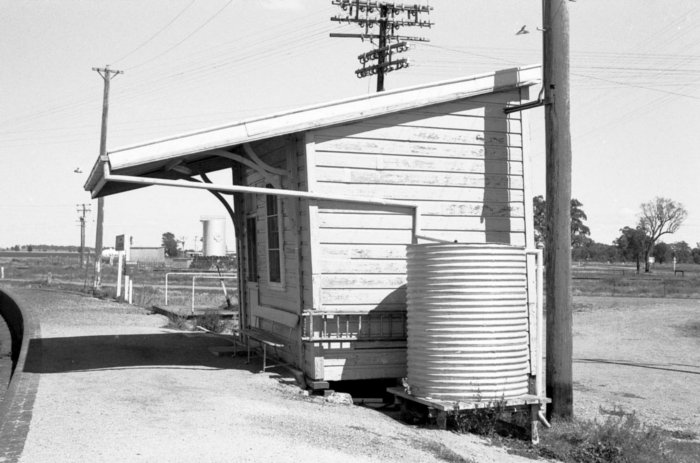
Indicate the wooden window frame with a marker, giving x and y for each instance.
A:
(280, 240)
(252, 250)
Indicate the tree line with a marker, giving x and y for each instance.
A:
(636, 243)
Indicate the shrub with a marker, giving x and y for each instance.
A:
(179, 322)
(619, 439)
(146, 296)
(210, 320)
(480, 421)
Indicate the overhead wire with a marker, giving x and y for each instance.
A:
(290, 46)
(200, 72)
(156, 34)
(77, 104)
(177, 44)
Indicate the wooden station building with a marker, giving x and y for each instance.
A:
(326, 198)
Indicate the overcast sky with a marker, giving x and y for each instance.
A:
(193, 64)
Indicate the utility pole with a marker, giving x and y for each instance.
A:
(558, 210)
(381, 51)
(83, 209)
(107, 74)
(389, 17)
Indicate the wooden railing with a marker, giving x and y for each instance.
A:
(339, 327)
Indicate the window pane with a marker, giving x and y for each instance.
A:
(274, 240)
(272, 233)
(271, 205)
(275, 270)
(251, 235)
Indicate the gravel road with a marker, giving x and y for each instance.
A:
(638, 355)
(116, 385)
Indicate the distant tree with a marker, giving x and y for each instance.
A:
(682, 252)
(579, 231)
(16, 247)
(605, 252)
(657, 218)
(662, 252)
(584, 251)
(170, 244)
(696, 253)
(539, 207)
(631, 244)
(30, 248)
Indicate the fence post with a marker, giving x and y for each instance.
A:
(193, 278)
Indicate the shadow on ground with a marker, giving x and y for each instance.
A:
(651, 366)
(175, 350)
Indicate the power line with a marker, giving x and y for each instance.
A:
(74, 104)
(211, 18)
(147, 41)
(627, 84)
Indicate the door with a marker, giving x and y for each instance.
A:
(251, 278)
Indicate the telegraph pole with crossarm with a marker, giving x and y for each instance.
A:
(555, 83)
(83, 209)
(387, 17)
(107, 74)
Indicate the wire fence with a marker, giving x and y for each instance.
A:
(623, 286)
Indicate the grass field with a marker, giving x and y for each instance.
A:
(63, 271)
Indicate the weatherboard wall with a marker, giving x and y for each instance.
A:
(461, 162)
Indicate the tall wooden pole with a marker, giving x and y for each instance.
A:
(106, 73)
(382, 44)
(83, 210)
(558, 211)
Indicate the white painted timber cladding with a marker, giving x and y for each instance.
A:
(461, 162)
(285, 296)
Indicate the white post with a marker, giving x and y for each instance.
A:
(127, 258)
(2, 273)
(131, 291)
(193, 278)
(120, 262)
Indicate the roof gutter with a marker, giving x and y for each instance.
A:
(148, 181)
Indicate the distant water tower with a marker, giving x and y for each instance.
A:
(214, 236)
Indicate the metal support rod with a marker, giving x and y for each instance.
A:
(414, 208)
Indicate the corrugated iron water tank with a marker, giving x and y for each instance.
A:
(467, 321)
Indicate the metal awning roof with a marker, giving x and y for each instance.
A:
(161, 158)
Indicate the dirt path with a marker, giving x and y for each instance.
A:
(114, 385)
(641, 355)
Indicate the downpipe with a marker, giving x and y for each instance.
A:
(539, 313)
